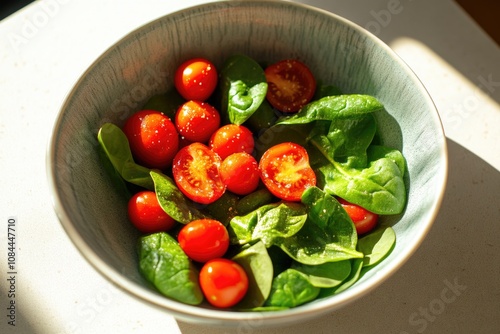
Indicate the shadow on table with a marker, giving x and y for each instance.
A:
(449, 285)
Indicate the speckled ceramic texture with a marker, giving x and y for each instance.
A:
(141, 64)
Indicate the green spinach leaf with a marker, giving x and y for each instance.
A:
(328, 235)
(269, 223)
(163, 263)
(356, 266)
(173, 201)
(116, 147)
(259, 268)
(326, 275)
(334, 107)
(243, 88)
(377, 245)
(291, 288)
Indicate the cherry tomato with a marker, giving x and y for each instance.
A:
(196, 173)
(363, 220)
(204, 239)
(153, 138)
(196, 121)
(291, 85)
(196, 79)
(240, 173)
(285, 171)
(146, 214)
(223, 282)
(231, 138)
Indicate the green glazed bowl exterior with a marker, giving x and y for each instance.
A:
(93, 212)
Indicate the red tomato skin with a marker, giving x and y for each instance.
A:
(285, 171)
(223, 282)
(196, 79)
(364, 220)
(153, 138)
(196, 121)
(204, 239)
(291, 85)
(232, 138)
(240, 173)
(146, 214)
(196, 171)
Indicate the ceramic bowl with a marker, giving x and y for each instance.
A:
(142, 64)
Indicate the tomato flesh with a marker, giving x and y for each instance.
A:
(196, 121)
(146, 214)
(285, 171)
(240, 173)
(204, 239)
(364, 220)
(291, 85)
(223, 282)
(153, 138)
(196, 173)
(196, 79)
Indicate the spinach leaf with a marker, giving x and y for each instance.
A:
(163, 263)
(253, 201)
(356, 266)
(173, 201)
(326, 275)
(376, 152)
(334, 107)
(243, 86)
(291, 288)
(116, 147)
(224, 209)
(328, 235)
(377, 245)
(378, 188)
(269, 223)
(259, 268)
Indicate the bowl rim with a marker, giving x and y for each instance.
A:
(224, 317)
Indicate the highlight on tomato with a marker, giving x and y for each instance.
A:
(204, 239)
(196, 172)
(232, 138)
(196, 79)
(291, 85)
(223, 282)
(364, 220)
(286, 172)
(240, 173)
(153, 138)
(146, 214)
(196, 121)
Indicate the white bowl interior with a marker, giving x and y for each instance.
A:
(93, 212)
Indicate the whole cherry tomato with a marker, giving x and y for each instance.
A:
(204, 239)
(196, 79)
(153, 138)
(363, 220)
(231, 138)
(223, 282)
(240, 173)
(146, 214)
(196, 121)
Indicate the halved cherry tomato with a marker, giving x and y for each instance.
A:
(196, 79)
(196, 121)
(285, 171)
(240, 173)
(153, 138)
(196, 173)
(291, 85)
(223, 282)
(231, 138)
(364, 220)
(146, 214)
(204, 239)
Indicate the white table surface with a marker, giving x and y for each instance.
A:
(451, 284)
